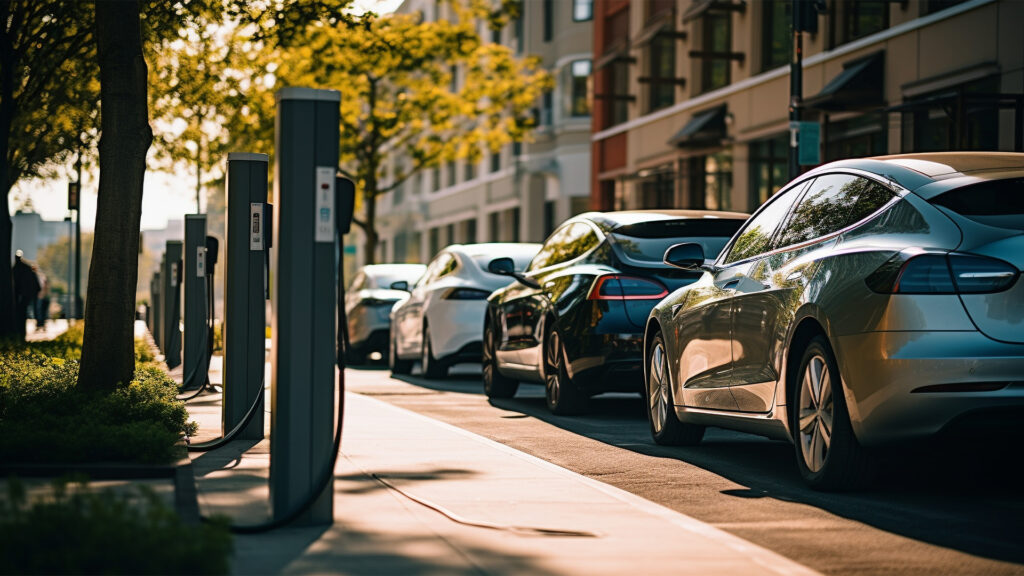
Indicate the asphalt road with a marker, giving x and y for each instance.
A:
(936, 510)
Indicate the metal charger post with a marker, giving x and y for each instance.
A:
(245, 289)
(195, 301)
(156, 308)
(171, 295)
(304, 298)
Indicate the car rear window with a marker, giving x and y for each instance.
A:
(998, 203)
(646, 242)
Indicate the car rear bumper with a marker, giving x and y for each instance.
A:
(609, 363)
(363, 321)
(912, 385)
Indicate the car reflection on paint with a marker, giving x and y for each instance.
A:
(868, 302)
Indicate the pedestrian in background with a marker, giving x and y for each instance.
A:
(42, 301)
(26, 288)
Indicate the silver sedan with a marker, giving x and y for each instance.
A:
(869, 301)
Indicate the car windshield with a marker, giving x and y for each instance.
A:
(384, 280)
(998, 203)
(646, 242)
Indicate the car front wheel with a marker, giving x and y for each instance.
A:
(432, 369)
(495, 385)
(397, 365)
(560, 392)
(666, 429)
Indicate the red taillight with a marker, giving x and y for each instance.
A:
(617, 287)
(912, 272)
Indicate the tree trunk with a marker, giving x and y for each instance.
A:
(7, 64)
(108, 354)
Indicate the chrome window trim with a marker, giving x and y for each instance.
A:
(898, 191)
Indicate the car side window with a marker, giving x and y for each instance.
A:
(756, 236)
(548, 253)
(833, 202)
(357, 283)
(430, 274)
(449, 265)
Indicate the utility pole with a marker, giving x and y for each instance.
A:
(796, 84)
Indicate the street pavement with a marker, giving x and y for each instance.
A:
(413, 495)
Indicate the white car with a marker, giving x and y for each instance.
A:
(368, 303)
(441, 322)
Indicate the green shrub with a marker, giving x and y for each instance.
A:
(45, 417)
(80, 531)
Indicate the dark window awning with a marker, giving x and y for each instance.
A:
(704, 128)
(614, 54)
(700, 7)
(857, 87)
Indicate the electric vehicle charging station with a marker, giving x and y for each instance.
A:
(171, 296)
(195, 301)
(246, 289)
(304, 259)
(154, 307)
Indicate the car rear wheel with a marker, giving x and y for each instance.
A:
(666, 429)
(432, 368)
(827, 452)
(560, 392)
(495, 385)
(397, 365)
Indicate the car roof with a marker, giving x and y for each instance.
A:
(374, 269)
(609, 221)
(494, 249)
(917, 171)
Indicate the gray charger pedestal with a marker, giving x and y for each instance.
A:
(196, 332)
(303, 297)
(171, 295)
(244, 291)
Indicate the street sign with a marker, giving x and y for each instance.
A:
(808, 139)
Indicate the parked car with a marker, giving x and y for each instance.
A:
(574, 320)
(368, 303)
(439, 324)
(868, 302)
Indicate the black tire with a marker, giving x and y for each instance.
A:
(666, 429)
(495, 384)
(561, 394)
(828, 459)
(355, 357)
(432, 368)
(397, 365)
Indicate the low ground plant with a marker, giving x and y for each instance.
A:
(76, 530)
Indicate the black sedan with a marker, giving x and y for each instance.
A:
(574, 319)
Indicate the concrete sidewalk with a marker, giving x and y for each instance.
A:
(413, 495)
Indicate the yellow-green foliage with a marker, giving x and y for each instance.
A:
(80, 531)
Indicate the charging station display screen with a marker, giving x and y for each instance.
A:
(324, 217)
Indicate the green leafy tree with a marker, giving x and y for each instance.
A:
(48, 91)
(428, 91)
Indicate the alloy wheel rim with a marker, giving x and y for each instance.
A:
(554, 365)
(657, 389)
(426, 351)
(816, 413)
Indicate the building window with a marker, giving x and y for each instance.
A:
(398, 194)
(932, 6)
(518, 30)
(515, 224)
(710, 181)
(856, 138)
(658, 191)
(717, 29)
(582, 10)
(470, 231)
(547, 109)
(495, 161)
(549, 217)
(776, 36)
(932, 121)
(435, 179)
(517, 149)
(617, 86)
(549, 20)
(470, 169)
(449, 233)
(769, 168)
(494, 221)
(662, 72)
(577, 101)
(451, 173)
(863, 17)
(435, 242)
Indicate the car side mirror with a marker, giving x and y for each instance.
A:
(506, 267)
(688, 256)
(400, 285)
(502, 266)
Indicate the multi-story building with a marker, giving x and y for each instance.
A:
(522, 192)
(692, 96)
